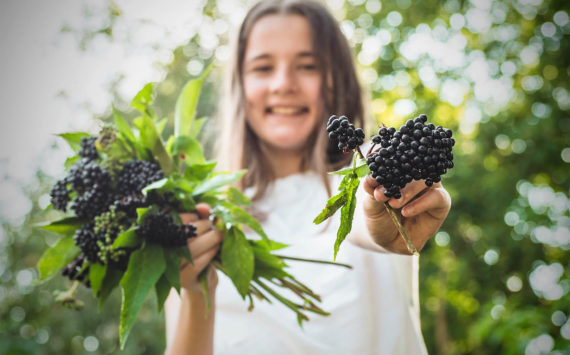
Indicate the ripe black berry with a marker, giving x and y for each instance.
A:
(343, 134)
(160, 228)
(417, 151)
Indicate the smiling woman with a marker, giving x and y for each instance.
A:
(292, 69)
(282, 86)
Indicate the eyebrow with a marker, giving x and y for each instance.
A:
(261, 56)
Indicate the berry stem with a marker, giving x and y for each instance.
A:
(360, 153)
(411, 248)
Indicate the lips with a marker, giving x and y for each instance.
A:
(287, 110)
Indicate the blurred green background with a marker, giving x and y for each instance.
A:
(494, 280)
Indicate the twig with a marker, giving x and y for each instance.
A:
(403, 233)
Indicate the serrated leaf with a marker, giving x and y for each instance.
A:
(141, 213)
(217, 181)
(238, 260)
(199, 171)
(333, 204)
(362, 169)
(96, 276)
(197, 126)
(346, 214)
(172, 272)
(150, 139)
(65, 226)
(235, 196)
(123, 126)
(232, 214)
(189, 148)
(143, 99)
(69, 162)
(74, 139)
(56, 257)
(162, 288)
(110, 281)
(186, 103)
(343, 171)
(145, 268)
(160, 125)
(127, 239)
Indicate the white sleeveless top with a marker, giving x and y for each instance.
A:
(374, 306)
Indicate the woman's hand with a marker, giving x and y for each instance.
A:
(203, 248)
(422, 210)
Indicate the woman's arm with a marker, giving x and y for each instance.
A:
(190, 325)
(193, 324)
(422, 211)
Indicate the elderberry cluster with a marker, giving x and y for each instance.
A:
(136, 174)
(416, 151)
(88, 149)
(342, 132)
(88, 241)
(160, 228)
(92, 183)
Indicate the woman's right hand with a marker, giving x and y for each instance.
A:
(203, 248)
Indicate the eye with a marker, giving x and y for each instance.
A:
(262, 68)
(309, 67)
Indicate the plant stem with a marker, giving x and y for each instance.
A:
(314, 261)
(400, 227)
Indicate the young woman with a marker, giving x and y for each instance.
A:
(293, 69)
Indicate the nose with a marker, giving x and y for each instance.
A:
(283, 80)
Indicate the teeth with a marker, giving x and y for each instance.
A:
(286, 110)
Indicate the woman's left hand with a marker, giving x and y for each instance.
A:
(422, 210)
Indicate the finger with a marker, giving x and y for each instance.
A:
(379, 194)
(203, 210)
(205, 242)
(202, 226)
(369, 184)
(435, 201)
(187, 217)
(203, 260)
(408, 193)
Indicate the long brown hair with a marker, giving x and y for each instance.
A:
(239, 147)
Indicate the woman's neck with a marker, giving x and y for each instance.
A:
(283, 162)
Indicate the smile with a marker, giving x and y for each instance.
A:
(287, 110)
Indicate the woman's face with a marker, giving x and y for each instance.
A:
(282, 82)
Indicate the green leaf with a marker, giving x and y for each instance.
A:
(197, 126)
(123, 126)
(172, 272)
(96, 276)
(346, 214)
(150, 139)
(127, 239)
(238, 260)
(239, 215)
(218, 181)
(160, 125)
(56, 257)
(146, 265)
(143, 99)
(333, 204)
(74, 139)
(343, 171)
(110, 281)
(69, 162)
(162, 288)
(362, 170)
(235, 196)
(199, 171)
(189, 148)
(186, 103)
(65, 226)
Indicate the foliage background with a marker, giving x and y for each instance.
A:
(494, 280)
